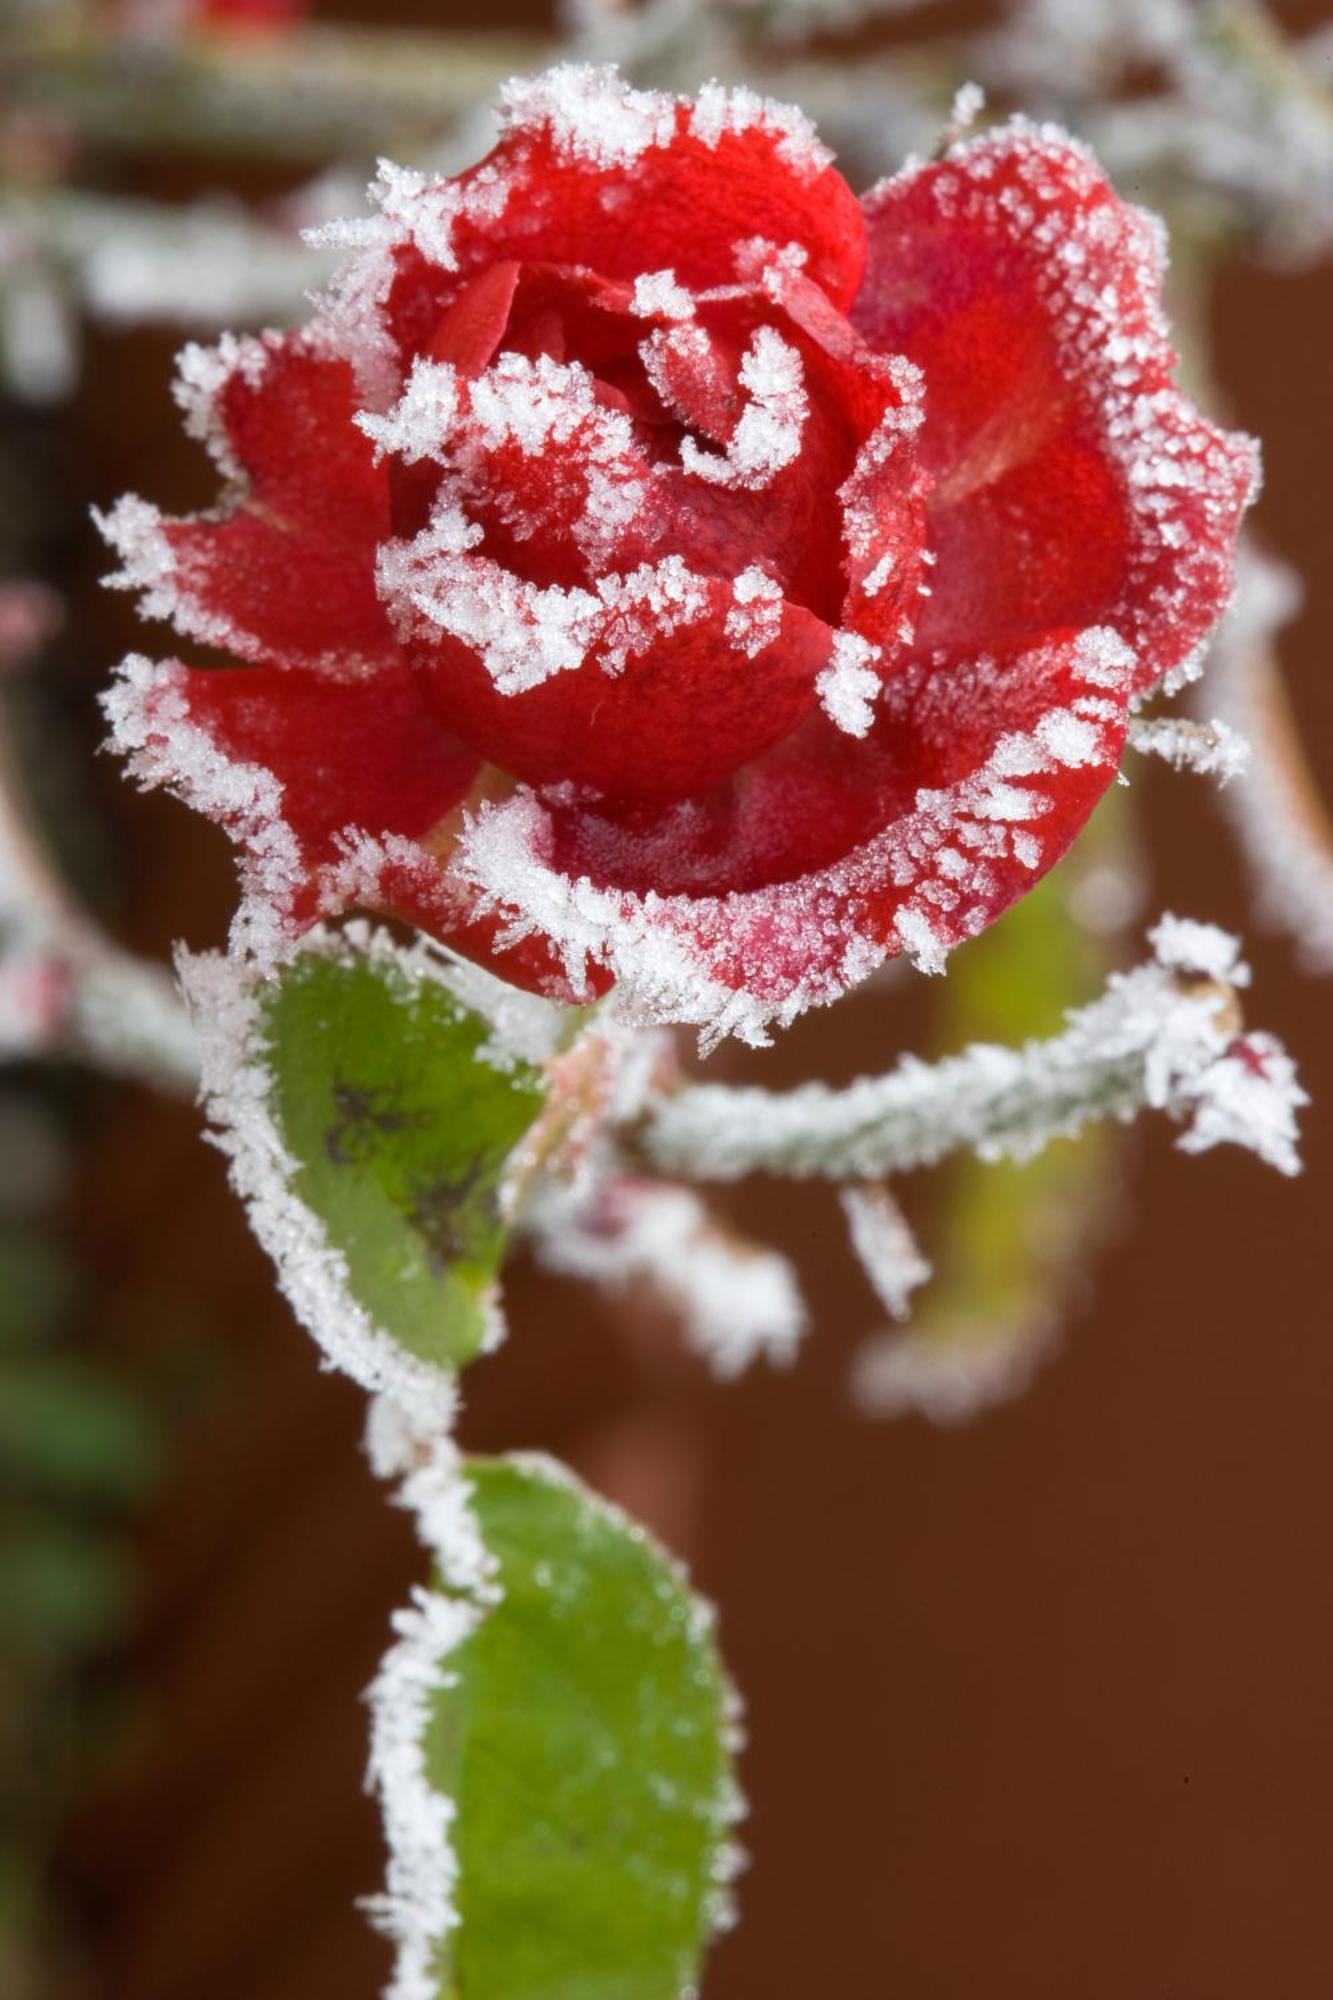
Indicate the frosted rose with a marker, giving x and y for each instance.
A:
(653, 564)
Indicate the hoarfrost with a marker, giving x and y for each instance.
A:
(1251, 1099)
(718, 110)
(901, 1375)
(416, 1909)
(659, 949)
(137, 531)
(755, 618)
(236, 1087)
(408, 1439)
(152, 729)
(849, 686)
(1278, 818)
(1162, 1037)
(768, 432)
(525, 633)
(658, 295)
(590, 114)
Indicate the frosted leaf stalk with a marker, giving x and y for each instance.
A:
(1163, 1037)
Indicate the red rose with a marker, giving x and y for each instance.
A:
(653, 565)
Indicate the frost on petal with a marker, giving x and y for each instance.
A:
(1073, 482)
(767, 434)
(849, 685)
(932, 864)
(530, 449)
(602, 688)
(293, 767)
(284, 571)
(580, 152)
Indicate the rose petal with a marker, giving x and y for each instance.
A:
(582, 152)
(656, 686)
(980, 774)
(296, 769)
(1072, 480)
(284, 572)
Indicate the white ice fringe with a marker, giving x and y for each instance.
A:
(416, 1909)
(236, 1087)
(1162, 1037)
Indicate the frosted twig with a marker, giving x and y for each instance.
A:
(65, 988)
(905, 1374)
(1243, 120)
(884, 1243)
(1212, 749)
(1279, 818)
(736, 1300)
(1163, 1037)
(133, 262)
(313, 93)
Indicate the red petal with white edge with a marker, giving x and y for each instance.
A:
(299, 771)
(285, 572)
(655, 686)
(591, 172)
(1073, 482)
(995, 765)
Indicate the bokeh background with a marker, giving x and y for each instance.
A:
(1038, 1705)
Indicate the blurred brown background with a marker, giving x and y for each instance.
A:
(1038, 1708)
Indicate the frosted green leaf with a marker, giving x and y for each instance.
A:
(383, 1091)
(585, 1735)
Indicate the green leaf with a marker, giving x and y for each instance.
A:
(383, 1090)
(585, 1734)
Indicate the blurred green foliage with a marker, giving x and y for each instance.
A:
(79, 1447)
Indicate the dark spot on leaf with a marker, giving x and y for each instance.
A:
(361, 1116)
(453, 1216)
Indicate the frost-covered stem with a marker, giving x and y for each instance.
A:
(124, 1017)
(206, 265)
(89, 999)
(313, 93)
(1277, 812)
(1163, 1037)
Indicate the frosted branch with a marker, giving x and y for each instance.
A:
(65, 989)
(885, 1245)
(311, 94)
(132, 262)
(736, 1301)
(1279, 818)
(1211, 749)
(1164, 1037)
